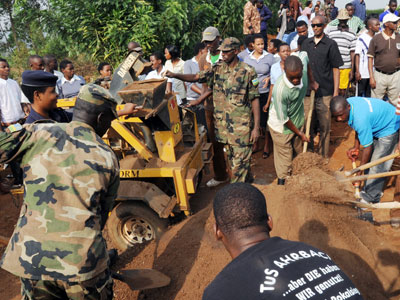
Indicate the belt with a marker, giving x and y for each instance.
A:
(386, 73)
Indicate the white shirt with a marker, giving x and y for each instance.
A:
(177, 85)
(155, 75)
(362, 45)
(10, 101)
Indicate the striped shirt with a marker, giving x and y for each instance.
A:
(346, 41)
(355, 24)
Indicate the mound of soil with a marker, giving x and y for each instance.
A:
(309, 209)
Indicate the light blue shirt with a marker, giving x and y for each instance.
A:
(276, 71)
(360, 9)
(372, 118)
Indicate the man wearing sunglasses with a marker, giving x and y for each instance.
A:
(325, 60)
(383, 54)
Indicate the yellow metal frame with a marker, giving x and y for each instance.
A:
(184, 169)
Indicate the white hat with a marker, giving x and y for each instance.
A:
(389, 17)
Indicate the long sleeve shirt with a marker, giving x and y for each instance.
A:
(360, 9)
(265, 15)
(251, 19)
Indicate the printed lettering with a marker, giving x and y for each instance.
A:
(314, 274)
(305, 294)
(269, 281)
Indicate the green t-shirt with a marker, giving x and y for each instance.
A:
(287, 103)
(214, 58)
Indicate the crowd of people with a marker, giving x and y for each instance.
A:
(239, 93)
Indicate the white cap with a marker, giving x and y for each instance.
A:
(389, 17)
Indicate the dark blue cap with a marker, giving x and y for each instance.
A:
(38, 78)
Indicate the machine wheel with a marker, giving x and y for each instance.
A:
(133, 223)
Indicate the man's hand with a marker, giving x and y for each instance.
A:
(314, 85)
(265, 107)
(169, 74)
(372, 83)
(193, 103)
(304, 138)
(351, 75)
(129, 108)
(353, 153)
(358, 76)
(255, 134)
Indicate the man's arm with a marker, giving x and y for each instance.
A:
(255, 107)
(372, 81)
(312, 83)
(351, 74)
(107, 202)
(14, 143)
(289, 124)
(336, 80)
(268, 13)
(201, 99)
(357, 63)
(183, 77)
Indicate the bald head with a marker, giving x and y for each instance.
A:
(320, 19)
(338, 104)
(293, 64)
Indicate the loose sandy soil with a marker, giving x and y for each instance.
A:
(310, 208)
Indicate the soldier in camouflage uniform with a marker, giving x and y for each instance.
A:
(71, 178)
(235, 96)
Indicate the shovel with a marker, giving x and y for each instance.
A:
(369, 176)
(372, 163)
(309, 120)
(142, 279)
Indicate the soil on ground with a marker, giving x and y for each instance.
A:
(312, 207)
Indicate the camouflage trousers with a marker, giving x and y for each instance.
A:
(239, 158)
(97, 288)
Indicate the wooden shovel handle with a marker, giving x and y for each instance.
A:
(308, 125)
(370, 176)
(372, 163)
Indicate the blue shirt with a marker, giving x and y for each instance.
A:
(59, 115)
(382, 15)
(360, 9)
(265, 15)
(276, 71)
(372, 118)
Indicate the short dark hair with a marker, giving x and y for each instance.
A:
(102, 65)
(239, 206)
(283, 44)
(32, 57)
(349, 4)
(337, 104)
(30, 90)
(293, 63)
(316, 5)
(257, 36)
(198, 47)
(3, 60)
(276, 43)
(392, 1)
(48, 58)
(301, 23)
(174, 51)
(308, 3)
(301, 40)
(64, 63)
(248, 39)
(158, 55)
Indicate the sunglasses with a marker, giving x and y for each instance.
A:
(317, 25)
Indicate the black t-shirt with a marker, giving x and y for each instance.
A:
(323, 57)
(281, 269)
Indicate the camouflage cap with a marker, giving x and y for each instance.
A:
(229, 43)
(96, 95)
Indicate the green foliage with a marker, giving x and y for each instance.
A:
(99, 30)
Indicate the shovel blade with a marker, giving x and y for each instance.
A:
(143, 279)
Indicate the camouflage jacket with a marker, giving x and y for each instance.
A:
(71, 180)
(233, 92)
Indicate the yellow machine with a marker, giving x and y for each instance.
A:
(161, 158)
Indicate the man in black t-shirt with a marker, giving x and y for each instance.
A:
(265, 267)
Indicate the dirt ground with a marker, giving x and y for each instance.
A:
(310, 208)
